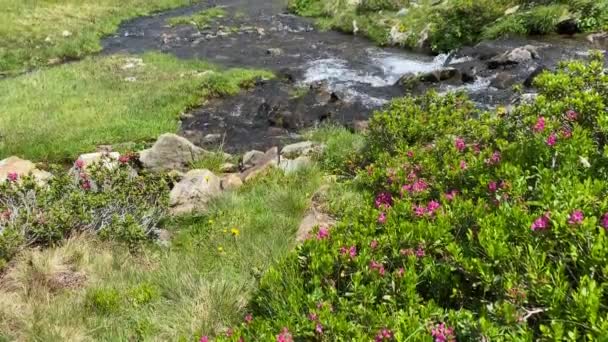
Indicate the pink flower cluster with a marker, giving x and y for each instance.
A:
(571, 115)
(284, 336)
(539, 126)
(384, 335)
(604, 221)
(576, 217)
(450, 195)
(551, 139)
(494, 158)
(441, 333)
(323, 233)
(384, 200)
(460, 144)
(419, 252)
(374, 265)
(12, 176)
(350, 251)
(428, 210)
(541, 223)
(382, 218)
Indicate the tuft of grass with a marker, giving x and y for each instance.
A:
(212, 161)
(39, 33)
(200, 20)
(199, 285)
(57, 113)
(342, 147)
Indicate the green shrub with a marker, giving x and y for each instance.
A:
(103, 300)
(483, 226)
(143, 293)
(114, 202)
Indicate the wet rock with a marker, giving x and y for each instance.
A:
(424, 42)
(503, 80)
(193, 193)
(231, 182)
(599, 40)
(212, 138)
(529, 82)
(294, 165)
(252, 158)
(170, 152)
(516, 56)
(21, 167)
(568, 27)
(274, 52)
(270, 160)
(449, 75)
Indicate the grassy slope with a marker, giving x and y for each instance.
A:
(199, 285)
(32, 31)
(92, 102)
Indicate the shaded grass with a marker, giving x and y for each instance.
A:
(57, 113)
(200, 285)
(35, 33)
(201, 19)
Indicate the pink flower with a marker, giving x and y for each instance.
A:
(441, 333)
(460, 144)
(284, 336)
(350, 251)
(406, 251)
(566, 133)
(476, 149)
(492, 186)
(248, 318)
(374, 265)
(420, 252)
(319, 329)
(451, 195)
(552, 139)
(410, 154)
(312, 316)
(382, 218)
(86, 184)
(576, 217)
(384, 335)
(12, 176)
(419, 210)
(539, 126)
(406, 188)
(384, 200)
(494, 159)
(571, 115)
(432, 206)
(419, 186)
(323, 234)
(604, 222)
(463, 165)
(373, 244)
(541, 223)
(400, 271)
(79, 164)
(124, 159)
(229, 332)
(204, 339)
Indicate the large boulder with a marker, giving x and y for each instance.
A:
(252, 158)
(599, 40)
(194, 191)
(518, 55)
(503, 80)
(294, 165)
(20, 167)
(303, 148)
(315, 216)
(170, 152)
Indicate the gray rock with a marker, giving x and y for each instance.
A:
(170, 152)
(599, 40)
(212, 138)
(303, 148)
(229, 168)
(274, 52)
(107, 159)
(516, 56)
(252, 158)
(270, 159)
(194, 191)
(231, 181)
(294, 165)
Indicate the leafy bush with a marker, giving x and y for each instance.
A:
(103, 300)
(484, 226)
(114, 202)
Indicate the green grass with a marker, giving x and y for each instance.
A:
(201, 19)
(55, 114)
(201, 284)
(32, 31)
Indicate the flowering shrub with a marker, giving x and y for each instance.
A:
(114, 202)
(513, 246)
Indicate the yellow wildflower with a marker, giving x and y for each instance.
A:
(235, 232)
